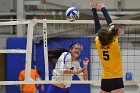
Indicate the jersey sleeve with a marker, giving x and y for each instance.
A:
(60, 66)
(96, 20)
(108, 19)
(106, 15)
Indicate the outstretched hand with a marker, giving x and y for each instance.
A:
(97, 5)
(100, 5)
(93, 4)
(85, 62)
(120, 31)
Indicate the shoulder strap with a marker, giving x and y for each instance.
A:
(65, 57)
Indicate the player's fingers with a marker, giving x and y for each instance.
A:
(97, 3)
(93, 2)
(102, 1)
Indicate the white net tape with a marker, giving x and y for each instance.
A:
(13, 51)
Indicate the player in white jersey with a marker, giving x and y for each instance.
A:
(66, 67)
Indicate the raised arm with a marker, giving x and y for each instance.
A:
(101, 7)
(84, 74)
(95, 16)
(106, 15)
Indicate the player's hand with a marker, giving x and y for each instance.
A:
(120, 31)
(93, 4)
(100, 5)
(85, 62)
(78, 71)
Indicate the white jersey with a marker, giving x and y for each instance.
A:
(64, 63)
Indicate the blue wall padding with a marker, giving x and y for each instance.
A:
(65, 43)
(14, 62)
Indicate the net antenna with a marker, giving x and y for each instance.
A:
(45, 9)
(45, 42)
(45, 50)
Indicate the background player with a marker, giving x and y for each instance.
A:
(109, 52)
(29, 88)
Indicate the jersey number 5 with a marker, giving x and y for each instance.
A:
(106, 55)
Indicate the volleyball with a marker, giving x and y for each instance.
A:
(72, 14)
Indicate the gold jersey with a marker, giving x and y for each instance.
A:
(110, 56)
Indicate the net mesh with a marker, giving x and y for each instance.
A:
(61, 29)
(129, 44)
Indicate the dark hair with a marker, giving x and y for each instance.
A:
(76, 43)
(53, 55)
(107, 37)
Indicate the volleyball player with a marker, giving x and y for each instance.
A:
(109, 52)
(66, 67)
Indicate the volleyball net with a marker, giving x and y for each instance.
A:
(45, 30)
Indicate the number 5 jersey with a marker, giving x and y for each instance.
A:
(110, 56)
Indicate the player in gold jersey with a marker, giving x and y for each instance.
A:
(109, 52)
